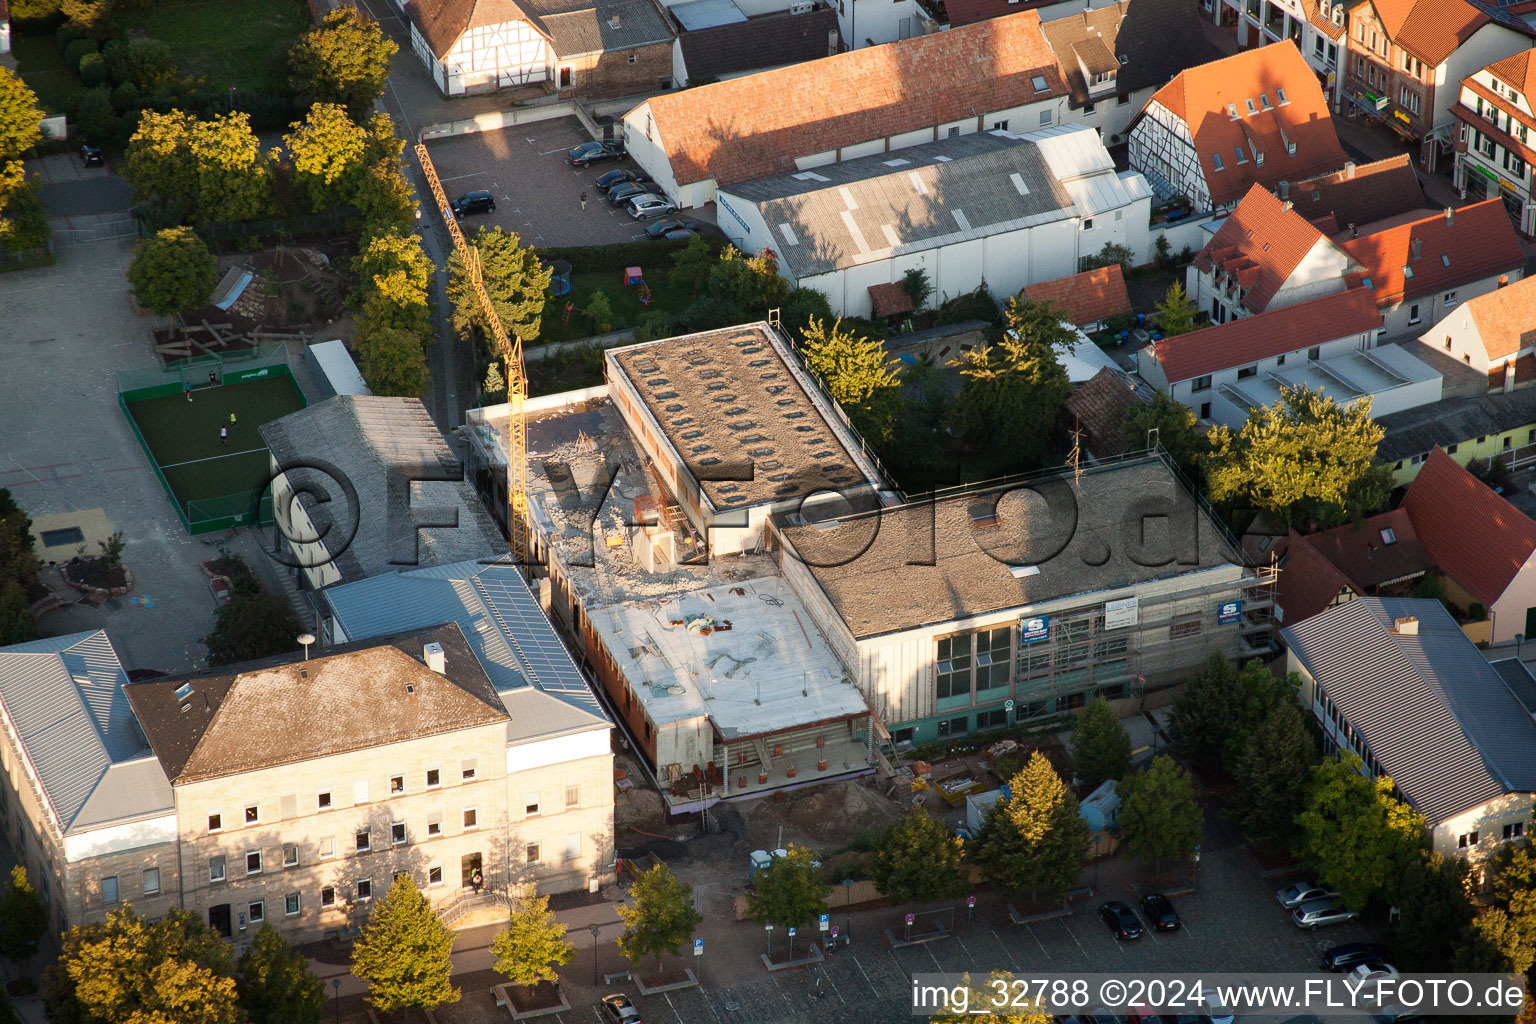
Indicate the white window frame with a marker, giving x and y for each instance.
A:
(223, 865)
(327, 847)
(404, 836)
(358, 889)
(366, 835)
(215, 823)
(394, 789)
(327, 902)
(260, 864)
(427, 776)
(298, 904)
(323, 801)
(431, 882)
(571, 803)
(251, 815)
(290, 862)
(256, 911)
(470, 817)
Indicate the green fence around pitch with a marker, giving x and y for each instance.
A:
(122, 403)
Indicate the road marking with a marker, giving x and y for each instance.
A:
(822, 971)
(866, 977)
(1074, 939)
(929, 950)
(1032, 935)
(1004, 947)
(456, 177)
(562, 149)
(673, 1008)
(704, 993)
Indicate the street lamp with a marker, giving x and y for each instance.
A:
(848, 908)
(336, 997)
(306, 639)
(595, 930)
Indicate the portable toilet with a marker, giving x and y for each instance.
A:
(760, 860)
(1101, 807)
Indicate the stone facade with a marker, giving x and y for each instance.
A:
(618, 73)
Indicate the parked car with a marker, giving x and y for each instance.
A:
(473, 202)
(92, 156)
(1120, 919)
(1160, 912)
(1215, 1013)
(592, 152)
(662, 228)
(619, 1010)
(1346, 955)
(1293, 896)
(621, 194)
(1395, 1014)
(614, 178)
(650, 205)
(1316, 913)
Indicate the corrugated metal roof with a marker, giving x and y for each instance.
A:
(64, 696)
(1439, 719)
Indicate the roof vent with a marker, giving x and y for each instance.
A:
(1450, 215)
(1406, 626)
(1349, 170)
(435, 658)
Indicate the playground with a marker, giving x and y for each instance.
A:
(216, 483)
(629, 296)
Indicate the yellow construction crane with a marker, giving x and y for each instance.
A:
(511, 351)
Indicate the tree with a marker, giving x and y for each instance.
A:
(660, 917)
(234, 177)
(276, 985)
(1160, 818)
(495, 386)
(532, 945)
(691, 265)
(160, 164)
(1270, 776)
(1493, 945)
(515, 280)
(172, 271)
(129, 971)
(23, 220)
(600, 311)
(1436, 911)
(1175, 424)
(918, 861)
(23, 917)
(857, 372)
(1176, 313)
(404, 952)
(387, 253)
(1202, 713)
(327, 151)
(1110, 255)
(1305, 458)
(345, 60)
(384, 198)
(998, 1000)
(18, 574)
(1036, 839)
(790, 892)
(917, 286)
(252, 626)
(1355, 834)
(392, 360)
(21, 118)
(751, 285)
(1013, 391)
(1101, 748)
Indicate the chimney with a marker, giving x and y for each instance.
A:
(833, 41)
(436, 660)
(1285, 190)
(1414, 247)
(1349, 170)
(1503, 280)
(1354, 232)
(1287, 205)
(613, 22)
(1450, 215)
(1407, 626)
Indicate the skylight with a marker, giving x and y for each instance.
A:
(183, 691)
(899, 161)
(1018, 572)
(1445, 259)
(1407, 273)
(1387, 536)
(789, 234)
(810, 176)
(1038, 81)
(1018, 183)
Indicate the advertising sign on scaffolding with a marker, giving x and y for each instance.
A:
(1122, 613)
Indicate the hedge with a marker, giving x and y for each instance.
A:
(583, 258)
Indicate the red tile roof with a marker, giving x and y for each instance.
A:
(1266, 335)
(1506, 318)
(1476, 537)
(1431, 30)
(1200, 96)
(1322, 24)
(1367, 557)
(1476, 242)
(1261, 243)
(1309, 583)
(1359, 194)
(442, 22)
(1518, 70)
(1087, 297)
(1099, 408)
(756, 126)
(890, 299)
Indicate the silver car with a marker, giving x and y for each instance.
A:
(1316, 913)
(650, 205)
(1293, 896)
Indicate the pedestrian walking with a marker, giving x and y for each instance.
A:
(224, 436)
(213, 378)
(186, 388)
(231, 421)
(583, 199)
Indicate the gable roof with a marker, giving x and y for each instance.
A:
(1379, 550)
(1260, 244)
(1200, 97)
(1441, 251)
(1506, 318)
(1517, 70)
(573, 27)
(1360, 194)
(381, 445)
(1431, 30)
(1099, 407)
(1148, 42)
(1266, 335)
(64, 698)
(756, 126)
(1087, 297)
(1433, 712)
(284, 710)
(442, 22)
(1308, 582)
(767, 42)
(890, 299)
(1476, 537)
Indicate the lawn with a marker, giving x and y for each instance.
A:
(625, 301)
(243, 43)
(41, 64)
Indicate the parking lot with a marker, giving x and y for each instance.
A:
(538, 195)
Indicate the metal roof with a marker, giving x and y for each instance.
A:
(1418, 430)
(1440, 720)
(64, 697)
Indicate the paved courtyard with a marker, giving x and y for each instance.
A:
(538, 195)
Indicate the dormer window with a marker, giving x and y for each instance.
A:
(1280, 94)
(1232, 111)
(1251, 108)
(1264, 100)
(1216, 161)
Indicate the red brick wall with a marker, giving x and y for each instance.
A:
(602, 75)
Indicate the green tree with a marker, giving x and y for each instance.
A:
(859, 375)
(919, 861)
(1221, 706)
(1176, 313)
(94, 117)
(23, 917)
(160, 164)
(1436, 911)
(1101, 748)
(327, 151)
(18, 577)
(1270, 776)
(790, 892)
(1175, 424)
(751, 285)
(515, 280)
(386, 253)
(600, 311)
(275, 983)
(1012, 392)
(345, 60)
(1035, 840)
(659, 917)
(691, 265)
(23, 220)
(404, 952)
(1160, 818)
(172, 271)
(21, 118)
(998, 1000)
(917, 286)
(392, 360)
(384, 198)
(252, 626)
(234, 177)
(1110, 255)
(1493, 945)
(495, 386)
(1355, 834)
(532, 945)
(1305, 458)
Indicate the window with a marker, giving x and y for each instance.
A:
(1232, 111)
(1280, 94)
(256, 911)
(1045, 118)
(1451, 449)
(1483, 144)
(1315, 353)
(1317, 45)
(1280, 359)
(1216, 161)
(634, 58)
(290, 855)
(993, 658)
(253, 815)
(572, 845)
(1000, 126)
(1184, 628)
(992, 719)
(291, 905)
(531, 805)
(1514, 165)
(323, 800)
(396, 784)
(954, 666)
(215, 869)
(151, 881)
(328, 847)
(253, 862)
(364, 889)
(468, 769)
(435, 875)
(1466, 839)
(1507, 439)
(1245, 372)
(215, 822)
(1202, 383)
(397, 833)
(360, 791)
(1449, 299)
(364, 841)
(434, 826)
(328, 896)
(1408, 99)
(1514, 830)
(1413, 314)
(109, 889)
(572, 796)
(1122, 99)
(471, 817)
(1088, 108)
(1038, 81)
(533, 851)
(434, 778)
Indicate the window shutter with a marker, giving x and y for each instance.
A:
(360, 791)
(288, 807)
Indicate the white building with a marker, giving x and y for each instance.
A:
(1010, 210)
(1495, 120)
(1494, 333)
